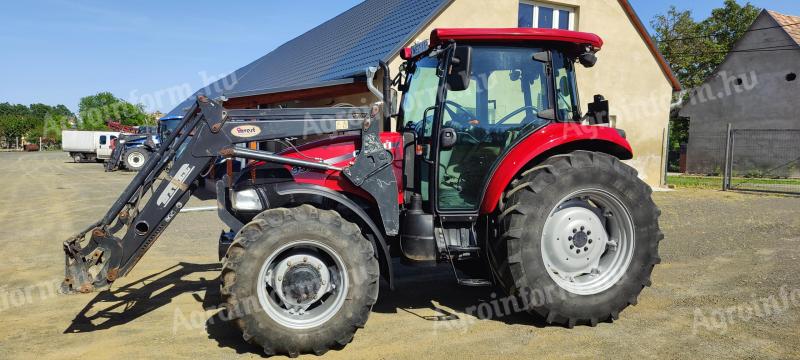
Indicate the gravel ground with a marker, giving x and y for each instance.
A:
(726, 288)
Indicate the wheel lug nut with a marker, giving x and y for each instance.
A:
(574, 230)
(589, 232)
(571, 247)
(582, 228)
(280, 278)
(305, 259)
(579, 251)
(570, 238)
(586, 249)
(590, 241)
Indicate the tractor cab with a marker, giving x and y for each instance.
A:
(482, 92)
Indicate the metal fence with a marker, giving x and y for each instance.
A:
(763, 160)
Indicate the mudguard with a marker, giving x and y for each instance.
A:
(553, 139)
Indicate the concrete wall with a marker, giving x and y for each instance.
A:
(627, 73)
(764, 100)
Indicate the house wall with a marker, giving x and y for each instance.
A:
(764, 100)
(627, 74)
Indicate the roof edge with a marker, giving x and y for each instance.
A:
(662, 62)
(428, 20)
(778, 17)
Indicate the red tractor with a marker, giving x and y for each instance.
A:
(492, 168)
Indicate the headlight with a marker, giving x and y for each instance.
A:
(246, 200)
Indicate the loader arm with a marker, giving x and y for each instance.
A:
(158, 192)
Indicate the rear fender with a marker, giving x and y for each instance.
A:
(553, 139)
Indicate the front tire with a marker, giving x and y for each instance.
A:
(299, 280)
(578, 238)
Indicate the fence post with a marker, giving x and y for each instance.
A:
(726, 177)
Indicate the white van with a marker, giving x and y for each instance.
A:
(88, 145)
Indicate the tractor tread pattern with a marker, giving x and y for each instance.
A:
(520, 202)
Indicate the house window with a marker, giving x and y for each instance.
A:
(542, 15)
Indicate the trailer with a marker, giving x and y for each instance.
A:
(88, 145)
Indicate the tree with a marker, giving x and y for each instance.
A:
(694, 49)
(96, 110)
(13, 126)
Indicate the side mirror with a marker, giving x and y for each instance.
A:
(459, 74)
(598, 111)
(588, 59)
(447, 138)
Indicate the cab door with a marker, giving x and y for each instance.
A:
(104, 146)
(509, 96)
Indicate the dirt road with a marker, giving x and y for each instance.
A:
(727, 287)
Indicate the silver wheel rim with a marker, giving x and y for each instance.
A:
(136, 159)
(588, 242)
(320, 299)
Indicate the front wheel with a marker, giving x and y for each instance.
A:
(299, 280)
(579, 238)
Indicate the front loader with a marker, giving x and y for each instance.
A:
(492, 168)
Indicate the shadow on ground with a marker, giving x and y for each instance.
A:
(120, 306)
(426, 293)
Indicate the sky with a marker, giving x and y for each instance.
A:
(159, 52)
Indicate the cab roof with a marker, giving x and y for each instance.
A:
(440, 36)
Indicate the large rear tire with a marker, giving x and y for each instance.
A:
(578, 238)
(299, 280)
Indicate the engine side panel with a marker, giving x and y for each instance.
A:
(339, 151)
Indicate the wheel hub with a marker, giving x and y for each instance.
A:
(301, 283)
(135, 159)
(574, 241)
(580, 239)
(300, 280)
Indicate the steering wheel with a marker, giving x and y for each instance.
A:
(460, 120)
(461, 116)
(515, 112)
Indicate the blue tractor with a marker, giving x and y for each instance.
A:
(131, 151)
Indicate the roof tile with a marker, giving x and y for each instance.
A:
(339, 48)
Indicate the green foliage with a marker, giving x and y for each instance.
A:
(695, 49)
(13, 125)
(34, 121)
(96, 110)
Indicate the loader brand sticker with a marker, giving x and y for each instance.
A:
(246, 131)
(342, 124)
(178, 181)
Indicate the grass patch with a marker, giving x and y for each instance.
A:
(715, 182)
(699, 182)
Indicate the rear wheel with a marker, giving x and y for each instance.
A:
(135, 159)
(299, 280)
(77, 158)
(578, 238)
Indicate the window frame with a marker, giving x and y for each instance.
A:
(556, 19)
